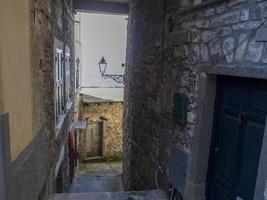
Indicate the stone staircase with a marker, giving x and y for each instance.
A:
(142, 195)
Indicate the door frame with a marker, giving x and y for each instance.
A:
(102, 126)
(5, 161)
(197, 172)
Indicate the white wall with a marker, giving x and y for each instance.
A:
(102, 35)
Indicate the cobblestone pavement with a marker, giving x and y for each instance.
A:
(98, 177)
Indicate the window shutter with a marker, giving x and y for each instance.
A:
(57, 86)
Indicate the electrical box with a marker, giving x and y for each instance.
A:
(178, 168)
(180, 104)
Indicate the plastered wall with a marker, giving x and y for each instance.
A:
(15, 74)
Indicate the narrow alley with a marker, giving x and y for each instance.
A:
(133, 99)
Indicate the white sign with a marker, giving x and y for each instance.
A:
(238, 198)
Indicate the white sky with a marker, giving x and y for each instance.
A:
(102, 35)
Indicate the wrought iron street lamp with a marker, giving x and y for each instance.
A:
(119, 78)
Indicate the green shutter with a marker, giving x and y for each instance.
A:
(180, 104)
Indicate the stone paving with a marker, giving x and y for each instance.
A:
(103, 181)
(98, 177)
(144, 195)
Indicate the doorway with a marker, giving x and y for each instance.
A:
(237, 138)
(94, 140)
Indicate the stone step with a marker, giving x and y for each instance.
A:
(140, 195)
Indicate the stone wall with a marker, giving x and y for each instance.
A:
(33, 173)
(217, 37)
(111, 113)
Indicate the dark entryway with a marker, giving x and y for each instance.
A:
(237, 138)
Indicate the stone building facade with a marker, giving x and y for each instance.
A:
(39, 152)
(184, 49)
(109, 114)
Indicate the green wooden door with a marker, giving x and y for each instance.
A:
(237, 139)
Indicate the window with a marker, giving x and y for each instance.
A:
(67, 76)
(77, 73)
(59, 85)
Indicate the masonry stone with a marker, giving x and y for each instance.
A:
(188, 25)
(224, 31)
(209, 12)
(194, 53)
(235, 3)
(244, 14)
(220, 9)
(204, 52)
(259, 11)
(181, 52)
(228, 49)
(225, 28)
(203, 24)
(111, 112)
(247, 25)
(194, 35)
(264, 55)
(228, 18)
(254, 51)
(215, 47)
(207, 36)
(241, 47)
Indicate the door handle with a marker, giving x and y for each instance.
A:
(242, 118)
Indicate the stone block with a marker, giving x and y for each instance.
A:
(194, 53)
(215, 47)
(207, 36)
(264, 55)
(241, 47)
(228, 18)
(244, 14)
(254, 51)
(203, 24)
(220, 9)
(228, 49)
(248, 25)
(261, 35)
(181, 51)
(224, 31)
(204, 53)
(194, 35)
(188, 25)
(259, 12)
(209, 12)
(235, 3)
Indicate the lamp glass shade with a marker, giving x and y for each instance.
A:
(102, 65)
